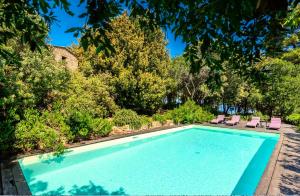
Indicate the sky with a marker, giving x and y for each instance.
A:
(58, 37)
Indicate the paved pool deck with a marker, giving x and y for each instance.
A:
(282, 176)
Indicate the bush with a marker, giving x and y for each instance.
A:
(190, 112)
(35, 83)
(83, 125)
(50, 131)
(33, 133)
(146, 120)
(162, 118)
(262, 116)
(127, 117)
(101, 127)
(245, 117)
(58, 122)
(201, 116)
(294, 119)
(89, 95)
(80, 124)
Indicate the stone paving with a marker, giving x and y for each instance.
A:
(282, 176)
(286, 177)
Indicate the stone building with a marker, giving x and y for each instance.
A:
(65, 55)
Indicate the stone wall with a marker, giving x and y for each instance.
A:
(62, 54)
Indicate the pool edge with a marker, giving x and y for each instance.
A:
(261, 189)
(12, 175)
(265, 181)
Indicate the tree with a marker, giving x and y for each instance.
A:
(194, 85)
(281, 86)
(138, 68)
(41, 102)
(238, 30)
(238, 92)
(90, 95)
(27, 20)
(35, 83)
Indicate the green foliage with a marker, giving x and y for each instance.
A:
(27, 20)
(201, 116)
(162, 118)
(246, 117)
(137, 71)
(57, 121)
(49, 131)
(231, 32)
(146, 120)
(262, 117)
(33, 133)
(293, 18)
(292, 56)
(44, 106)
(102, 127)
(127, 117)
(45, 86)
(80, 124)
(35, 83)
(190, 112)
(280, 88)
(294, 119)
(83, 125)
(89, 95)
(187, 85)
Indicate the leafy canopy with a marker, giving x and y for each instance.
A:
(137, 70)
(240, 31)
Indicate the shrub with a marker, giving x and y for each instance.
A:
(101, 127)
(262, 116)
(33, 133)
(89, 95)
(146, 120)
(162, 118)
(294, 119)
(80, 124)
(201, 116)
(245, 117)
(127, 117)
(190, 112)
(58, 122)
(51, 130)
(36, 82)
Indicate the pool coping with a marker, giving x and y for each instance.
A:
(22, 187)
(13, 181)
(108, 143)
(265, 181)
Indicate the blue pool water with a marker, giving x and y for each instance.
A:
(199, 160)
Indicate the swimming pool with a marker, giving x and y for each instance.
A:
(190, 160)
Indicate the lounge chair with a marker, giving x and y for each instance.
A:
(219, 119)
(255, 121)
(234, 120)
(275, 123)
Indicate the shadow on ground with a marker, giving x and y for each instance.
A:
(290, 179)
